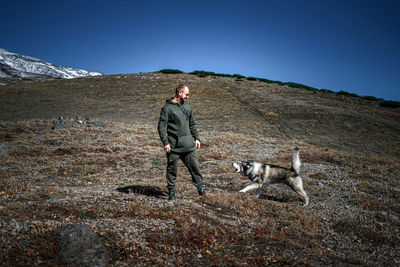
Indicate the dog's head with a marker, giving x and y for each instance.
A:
(243, 167)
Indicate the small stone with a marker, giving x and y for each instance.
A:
(18, 226)
(107, 149)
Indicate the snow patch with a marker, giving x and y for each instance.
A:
(15, 65)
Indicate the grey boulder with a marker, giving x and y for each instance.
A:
(80, 246)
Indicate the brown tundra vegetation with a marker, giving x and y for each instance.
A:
(107, 169)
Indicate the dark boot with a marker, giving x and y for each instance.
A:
(171, 195)
(202, 192)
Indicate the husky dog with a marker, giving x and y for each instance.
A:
(261, 174)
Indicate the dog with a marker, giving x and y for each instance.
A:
(263, 174)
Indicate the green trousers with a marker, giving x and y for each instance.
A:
(191, 163)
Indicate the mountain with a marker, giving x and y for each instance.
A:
(15, 65)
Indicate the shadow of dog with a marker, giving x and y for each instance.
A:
(276, 199)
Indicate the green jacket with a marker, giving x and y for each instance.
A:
(176, 127)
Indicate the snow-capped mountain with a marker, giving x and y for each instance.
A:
(15, 65)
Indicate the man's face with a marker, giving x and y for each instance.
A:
(184, 94)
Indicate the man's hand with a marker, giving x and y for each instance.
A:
(197, 143)
(167, 148)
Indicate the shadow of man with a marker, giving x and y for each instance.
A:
(151, 191)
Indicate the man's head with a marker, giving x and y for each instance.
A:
(182, 92)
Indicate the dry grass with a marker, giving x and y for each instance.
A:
(112, 178)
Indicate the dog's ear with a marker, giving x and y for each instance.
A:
(237, 165)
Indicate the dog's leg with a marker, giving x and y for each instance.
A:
(248, 188)
(259, 189)
(297, 185)
(265, 180)
(296, 163)
(302, 193)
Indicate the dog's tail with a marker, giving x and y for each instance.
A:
(296, 163)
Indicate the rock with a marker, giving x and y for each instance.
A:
(96, 123)
(18, 226)
(60, 123)
(79, 119)
(107, 149)
(4, 151)
(80, 246)
(235, 180)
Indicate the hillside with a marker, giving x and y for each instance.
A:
(109, 172)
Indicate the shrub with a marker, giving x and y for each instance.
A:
(270, 81)
(302, 86)
(368, 97)
(223, 75)
(170, 71)
(390, 104)
(265, 80)
(347, 93)
(202, 73)
(251, 78)
(327, 91)
(238, 76)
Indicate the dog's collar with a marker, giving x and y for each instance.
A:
(251, 170)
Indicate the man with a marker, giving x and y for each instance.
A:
(177, 130)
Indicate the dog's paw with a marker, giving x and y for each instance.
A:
(258, 193)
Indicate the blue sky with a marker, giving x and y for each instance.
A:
(338, 45)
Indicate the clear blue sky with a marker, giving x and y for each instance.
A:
(338, 45)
